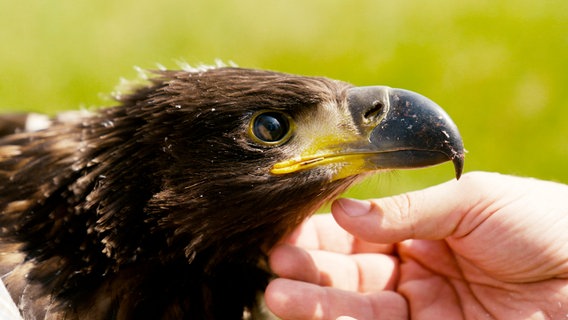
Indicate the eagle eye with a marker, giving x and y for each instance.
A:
(271, 127)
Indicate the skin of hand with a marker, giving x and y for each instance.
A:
(488, 246)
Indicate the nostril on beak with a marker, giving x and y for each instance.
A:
(375, 111)
(368, 105)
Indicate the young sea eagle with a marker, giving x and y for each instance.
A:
(165, 206)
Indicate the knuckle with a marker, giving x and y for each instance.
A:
(402, 205)
(402, 213)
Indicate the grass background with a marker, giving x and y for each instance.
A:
(500, 68)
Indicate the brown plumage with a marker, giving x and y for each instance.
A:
(165, 206)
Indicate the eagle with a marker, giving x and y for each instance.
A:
(166, 205)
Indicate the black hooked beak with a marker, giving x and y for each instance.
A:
(405, 129)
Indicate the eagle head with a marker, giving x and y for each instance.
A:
(166, 205)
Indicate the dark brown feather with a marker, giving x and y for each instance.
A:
(161, 207)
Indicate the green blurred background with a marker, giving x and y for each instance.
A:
(500, 68)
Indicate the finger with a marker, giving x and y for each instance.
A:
(359, 272)
(289, 299)
(292, 262)
(321, 232)
(433, 213)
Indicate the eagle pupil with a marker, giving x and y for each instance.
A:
(270, 126)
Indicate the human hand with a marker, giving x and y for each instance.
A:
(487, 246)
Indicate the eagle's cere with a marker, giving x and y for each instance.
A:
(165, 206)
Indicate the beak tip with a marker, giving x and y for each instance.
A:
(458, 161)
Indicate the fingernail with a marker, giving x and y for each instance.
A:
(354, 207)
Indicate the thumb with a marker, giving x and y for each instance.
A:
(433, 213)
